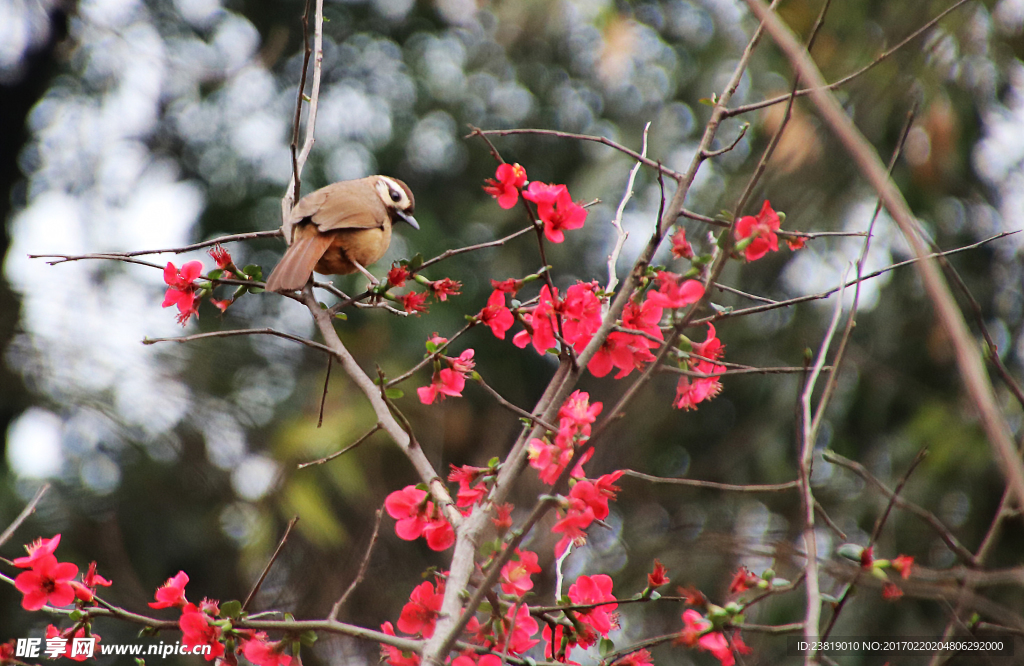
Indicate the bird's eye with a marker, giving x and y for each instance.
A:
(396, 196)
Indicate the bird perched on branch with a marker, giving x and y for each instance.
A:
(341, 229)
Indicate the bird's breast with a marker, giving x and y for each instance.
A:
(365, 246)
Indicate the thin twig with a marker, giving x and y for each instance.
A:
(363, 566)
(273, 558)
(343, 451)
(713, 485)
(513, 408)
(29, 509)
(241, 331)
(323, 398)
(621, 234)
(675, 175)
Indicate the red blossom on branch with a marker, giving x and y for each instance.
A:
(197, 630)
(556, 209)
(761, 230)
(398, 275)
(171, 593)
(223, 259)
(695, 634)
(262, 652)
(681, 248)
(675, 292)
(496, 316)
(417, 516)
(413, 302)
(393, 655)
(515, 575)
(180, 288)
(444, 288)
(508, 180)
(69, 635)
(48, 581)
(594, 590)
(37, 550)
(419, 615)
(658, 577)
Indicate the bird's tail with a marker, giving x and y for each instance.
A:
(299, 260)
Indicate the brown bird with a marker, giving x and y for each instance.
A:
(341, 229)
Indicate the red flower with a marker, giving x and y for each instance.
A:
(742, 581)
(526, 626)
(556, 209)
(197, 631)
(638, 658)
(903, 564)
(413, 302)
(582, 314)
(496, 316)
(508, 180)
(681, 248)
(393, 655)
(447, 382)
(578, 517)
(439, 534)
(692, 391)
(592, 590)
(515, 575)
(409, 507)
(180, 290)
(69, 646)
(419, 616)
(658, 577)
(762, 229)
(398, 275)
(470, 492)
(796, 242)
(503, 517)
(47, 581)
(222, 305)
(540, 323)
(891, 592)
(86, 590)
(714, 642)
(261, 652)
(222, 257)
(171, 593)
(417, 516)
(674, 292)
(37, 550)
(444, 288)
(509, 286)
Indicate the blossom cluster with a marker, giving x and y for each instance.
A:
(48, 581)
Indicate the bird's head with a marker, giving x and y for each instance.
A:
(397, 198)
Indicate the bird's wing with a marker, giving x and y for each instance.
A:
(351, 204)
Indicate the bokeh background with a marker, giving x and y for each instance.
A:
(133, 125)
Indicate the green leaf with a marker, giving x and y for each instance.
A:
(606, 647)
(342, 316)
(254, 271)
(394, 393)
(232, 609)
(416, 262)
(76, 615)
(307, 638)
(706, 101)
(215, 274)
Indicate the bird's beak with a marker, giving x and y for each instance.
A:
(408, 218)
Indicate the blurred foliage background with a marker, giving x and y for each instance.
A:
(139, 125)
